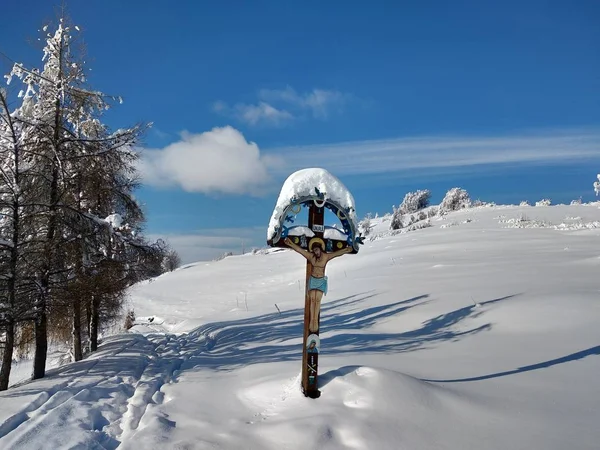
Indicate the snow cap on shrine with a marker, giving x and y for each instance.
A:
(311, 184)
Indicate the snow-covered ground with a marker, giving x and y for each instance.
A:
(479, 332)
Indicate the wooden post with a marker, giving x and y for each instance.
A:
(310, 361)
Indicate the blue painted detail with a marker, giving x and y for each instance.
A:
(289, 218)
(329, 246)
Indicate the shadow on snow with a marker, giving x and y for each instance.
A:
(542, 365)
(268, 338)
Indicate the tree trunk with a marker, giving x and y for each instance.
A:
(77, 350)
(9, 344)
(41, 344)
(7, 355)
(94, 324)
(88, 323)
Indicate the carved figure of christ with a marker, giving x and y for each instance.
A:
(317, 284)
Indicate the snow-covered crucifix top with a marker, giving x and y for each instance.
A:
(316, 190)
(320, 188)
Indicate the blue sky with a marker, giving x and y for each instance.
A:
(500, 98)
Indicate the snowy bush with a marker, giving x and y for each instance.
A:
(223, 256)
(415, 201)
(544, 202)
(422, 215)
(448, 225)
(397, 219)
(129, 319)
(524, 203)
(419, 226)
(455, 199)
(432, 212)
(365, 225)
(576, 202)
(171, 261)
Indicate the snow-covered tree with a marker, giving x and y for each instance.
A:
(415, 201)
(15, 206)
(597, 185)
(455, 199)
(82, 173)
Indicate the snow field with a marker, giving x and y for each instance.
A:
(477, 335)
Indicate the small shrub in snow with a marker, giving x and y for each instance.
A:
(171, 261)
(223, 256)
(422, 215)
(415, 226)
(544, 202)
(432, 212)
(524, 203)
(455, 199)
(365, 225)
(577, 226)
(129, 319)
(576, 202)
(415, 201)
(448, 225)
(397, 220)
(419, 226)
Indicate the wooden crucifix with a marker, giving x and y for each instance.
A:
(316, 287)
(318, 244)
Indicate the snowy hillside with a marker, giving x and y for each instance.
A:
(479, 332)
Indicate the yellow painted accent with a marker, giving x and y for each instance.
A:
(313, 241)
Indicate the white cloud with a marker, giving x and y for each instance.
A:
(220, 160)
(223, 161)
(263, 112)
(443, 153)
(319, 102)
(260, 114)
(279, 106)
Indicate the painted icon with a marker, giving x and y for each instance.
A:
(313, 343)
(303, 242)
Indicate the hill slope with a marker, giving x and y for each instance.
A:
(478, 332)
